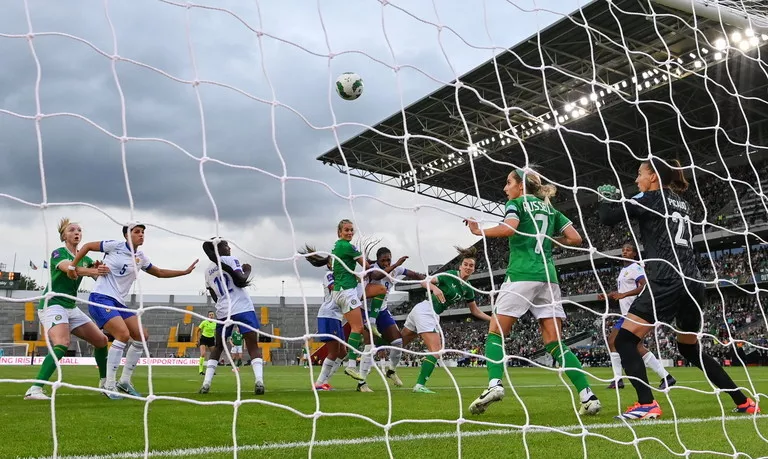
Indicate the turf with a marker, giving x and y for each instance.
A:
(280, 423)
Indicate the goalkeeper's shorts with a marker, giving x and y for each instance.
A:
(671, 301)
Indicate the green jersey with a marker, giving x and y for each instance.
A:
(348, 254)
(237, 338)
(529, 260)
(454, 291)
(208, 328)
(60, 282)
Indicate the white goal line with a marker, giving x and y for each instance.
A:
(531, 429)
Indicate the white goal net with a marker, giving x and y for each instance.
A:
(233, 119)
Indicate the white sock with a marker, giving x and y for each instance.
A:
(585, 394)
(653, 363)
(325, 372)
(494, 382)
(258, 369)
(616, 365)
(366, 362)
(396, 354)
(336, 365)
(135, 350)
(352, 363)
(114, 356)
(210, 369)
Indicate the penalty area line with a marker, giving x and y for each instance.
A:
(204, 450)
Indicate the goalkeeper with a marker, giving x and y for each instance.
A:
(531, 223)
(674, 290)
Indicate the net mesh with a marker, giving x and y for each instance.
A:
(692, 61)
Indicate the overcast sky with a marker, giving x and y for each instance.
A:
(81, 159)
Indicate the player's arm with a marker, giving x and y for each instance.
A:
(378, 275)
(569, 237)
(475, 311)
(504, 229)
(413, 275)
(93, 246)
(170, 273)
(432, 287)
(213, 294)
(640, 285)
(239, 278)
(611, 213)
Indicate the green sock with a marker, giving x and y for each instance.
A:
(49, 365)
(100, 355)
(567, 359)
(494, 351)
(376, 303)
(354, 341)
(427, 367)
(201, 363)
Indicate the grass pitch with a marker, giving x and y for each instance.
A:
(283, 422)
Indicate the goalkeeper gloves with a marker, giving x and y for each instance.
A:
(371, 325)
(606, 192)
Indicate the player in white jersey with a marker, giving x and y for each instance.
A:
(385, 273)
(329, 322)
(630, 283)
(107, 301)
(227, 287)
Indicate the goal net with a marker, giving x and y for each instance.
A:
(242, 120)
(14, 350)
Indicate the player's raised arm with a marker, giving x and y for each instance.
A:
(93, 246)
(169, 273)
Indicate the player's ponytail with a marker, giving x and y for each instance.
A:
(63, 225)
(670, 174)
(469, 252)
(315, 259)
(240, 281)
(533, 185)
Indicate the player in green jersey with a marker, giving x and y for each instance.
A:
(236, 345)
(445, 289)
(60, 315)
(207, 339)
(531, 284)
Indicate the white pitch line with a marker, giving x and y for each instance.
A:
(204, 450)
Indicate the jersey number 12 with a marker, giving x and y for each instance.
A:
(217, 281)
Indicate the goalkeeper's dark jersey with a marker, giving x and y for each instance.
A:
(664, 232)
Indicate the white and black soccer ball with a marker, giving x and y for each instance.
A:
(349, 85)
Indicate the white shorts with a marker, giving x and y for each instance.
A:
(422, 319)
(347, 300)
(56, 314)
(541, 298)
(236, 350)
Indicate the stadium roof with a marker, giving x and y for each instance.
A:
(607, 71)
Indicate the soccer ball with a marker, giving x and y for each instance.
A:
(349, 86)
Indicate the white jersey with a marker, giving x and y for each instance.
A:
(329, 309)
(122, 265)
(629, 276)
(386, 282)
(221, 283)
